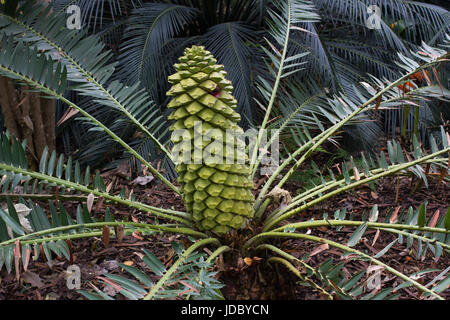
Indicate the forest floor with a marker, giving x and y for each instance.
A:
(43, 281)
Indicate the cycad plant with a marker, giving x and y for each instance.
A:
(147, 37)
(221, 213)
(216, 189)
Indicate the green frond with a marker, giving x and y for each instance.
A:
(52, 80)
(381, 93)
(192, 279)
(410, 225)
(85, 60)
(67, 178)
(233, 44)
(149, 29)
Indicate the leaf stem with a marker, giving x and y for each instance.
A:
(347, 249)
(154, 290)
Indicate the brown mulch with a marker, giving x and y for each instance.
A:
(44, 281)
(386, 197)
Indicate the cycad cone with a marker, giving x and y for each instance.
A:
(216, 193)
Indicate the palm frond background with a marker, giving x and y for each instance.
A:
(146, 37)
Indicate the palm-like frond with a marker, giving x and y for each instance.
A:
(193, 273)
(51, 78)
(150, 27)
(328, 278)
(29, 58)
(381, 93)
(86, 60)
(221, 11)
(343, 50)
(413, 13)
(156, 27)
(230, 43)
(352, 174)
(95, 12)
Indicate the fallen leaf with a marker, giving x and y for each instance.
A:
(189, 286)
(22, 212)
(377, 234)
(67, 115)
(257, 259)
(240, 263)
(128, 263)
(248, 261)
(111, 282)
(38, 295)
(137, 236)
(394, 217)
(27, 258)
(99, 203)
(186, 243)
(140, 255)
(105, 235)
(90, 201)
(17, 257)
(33, 279)
(143, 181)
(319, 249)
(111, 265)
(69, 245)
(434, 219)
(120, 233)
(108, 188)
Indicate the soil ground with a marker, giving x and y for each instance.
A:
(42, 281)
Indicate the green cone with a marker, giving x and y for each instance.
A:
(217, 193)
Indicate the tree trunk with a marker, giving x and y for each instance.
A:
(8, 115)
(48, 117)
(28, 115)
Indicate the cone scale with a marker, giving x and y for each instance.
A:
(213, 175)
